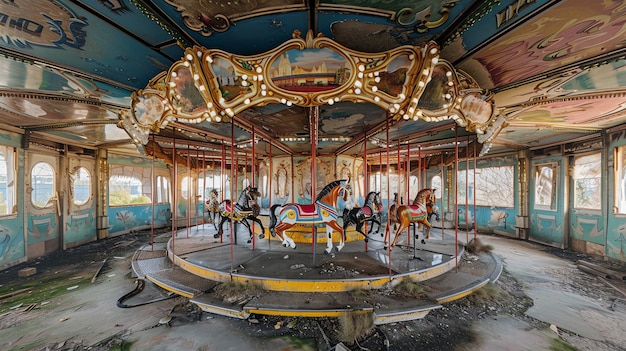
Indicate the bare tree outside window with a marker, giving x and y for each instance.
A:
(494, 186)
(587, 176)
(545, 186)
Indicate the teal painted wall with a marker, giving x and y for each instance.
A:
(12, 234)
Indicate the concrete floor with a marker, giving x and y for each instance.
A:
(87, 315)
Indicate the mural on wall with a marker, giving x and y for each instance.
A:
(616, 244)
(324, 176)
(547, 228)
(588, 229)
(11, 245)
(124, 218)
(498, 219)
(41, 228)
(282, 183)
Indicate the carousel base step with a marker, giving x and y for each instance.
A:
(181, 282)
(384, 308)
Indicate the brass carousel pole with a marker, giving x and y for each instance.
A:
(366, 182)
(252, 169)
(175, 180)
(388, 190)
(474, 191)
(456, 196)
(313, 125)
(223, 181)
(233, 234)
(270, 194)
(189, 191)
(152, 176)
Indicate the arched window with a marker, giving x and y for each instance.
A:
(435, 183)
(162, 189)
(185, 186)
(42, 183)
(81, 186)
(414, 187)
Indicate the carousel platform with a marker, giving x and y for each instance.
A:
(361, 278)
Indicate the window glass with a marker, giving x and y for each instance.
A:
(185, 186)
(545, 186)
(163, 189)
(414, 187)
(493, 186)
(126, 190)
(208, 183)
(7, 181)
(620, 180)
(81, 185)
(385, 184)
(587, 178)
(435, 183)
(42, 183)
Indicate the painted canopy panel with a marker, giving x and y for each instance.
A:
(551, 41)
(565, 113)
(493, 18)
(536, 136)
(126, 15)
(554, 66)
(237, 27)
(26, 111)
(64, 33)
(91, 135)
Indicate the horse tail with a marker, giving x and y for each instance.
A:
(273, 219)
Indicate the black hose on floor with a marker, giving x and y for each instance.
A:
(141, 284)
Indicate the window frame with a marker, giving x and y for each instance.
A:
(573, 177)
(9, 156)
(33, 182)
(73, 178)
(553, 205)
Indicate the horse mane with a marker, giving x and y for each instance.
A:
(328, 188)
(243, 198)
(370, 197)
(422, 194)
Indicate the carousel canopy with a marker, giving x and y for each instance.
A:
(281, 76)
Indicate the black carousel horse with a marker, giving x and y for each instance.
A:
(246, 208)
(370, 212)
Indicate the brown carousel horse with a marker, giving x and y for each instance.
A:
(323, 210)
(370, 212)
(245, 208)
(431, 208)
(213, 206)
(405, 215)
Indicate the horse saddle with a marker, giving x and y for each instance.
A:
(240, 212)
(366, 211)
(308, 209)
(417, 210)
